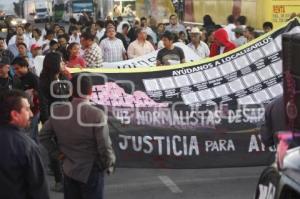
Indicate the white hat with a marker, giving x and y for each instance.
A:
(165, 21)
(196, 30)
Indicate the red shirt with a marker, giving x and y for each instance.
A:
(76, 62)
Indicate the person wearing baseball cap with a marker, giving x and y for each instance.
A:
(7, 82)
(36, 50)
(198, 46)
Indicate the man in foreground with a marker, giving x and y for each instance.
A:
(30, 84)
(22, 174)
(83, 139)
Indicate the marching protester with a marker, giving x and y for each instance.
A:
(221, 43)
(74, 58)
(182, 38)
(241, 22)
(30, 84)
(125, 29)
(73, 23)
(87, 153)
(170, 54)
(267, 26)
(55, 29)
(62, 46)
(150, 32)
(37, 57)
(52, 90)
(208, 23)
(132, 32)
(274, 122)
(48, 38)
(239, 34)
(28, 31)
(53, 47)
(37, 37)
(249, 33)
(7, 81)
(47, 27)
(92, 52)
(122, 22)
(112, 48)
(175, 26)
(118, 35)
(160, 30)
(75, 34)
(26, 54)
(13, 48)
(60, 32)
(22, 174)
(5, 52)
(229, 27)
(19, 32)
(100, 27)
(53, 68)
(140, 46)
(198, 46)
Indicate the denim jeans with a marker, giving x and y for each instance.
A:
(93, 189)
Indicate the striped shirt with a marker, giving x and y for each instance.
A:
(112, 50)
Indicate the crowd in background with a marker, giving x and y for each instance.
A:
(89, 43)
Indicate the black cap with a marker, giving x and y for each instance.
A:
(4, 61)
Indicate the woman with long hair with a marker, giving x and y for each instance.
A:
(53, 71)
(52, 76)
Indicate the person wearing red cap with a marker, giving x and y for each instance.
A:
(37, 58)
(221, 43)
(36, 50)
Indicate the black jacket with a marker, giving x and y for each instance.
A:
(10, 83)
(46, 99)
(7, 53)
(274, 121)
(22, 174)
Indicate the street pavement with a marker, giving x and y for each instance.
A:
(226, 183)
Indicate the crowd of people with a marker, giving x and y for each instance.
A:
(87, 44)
